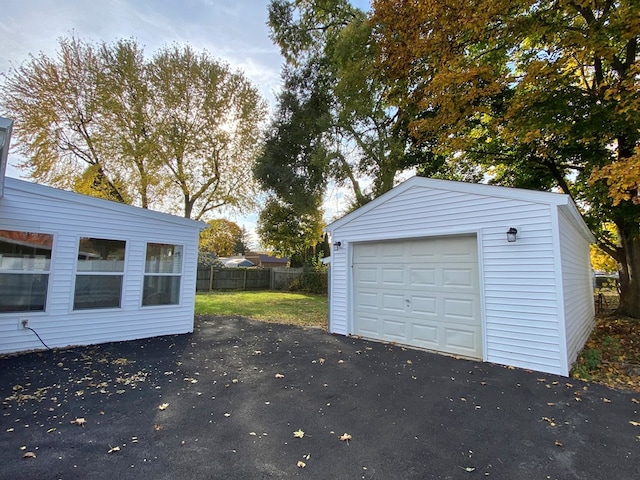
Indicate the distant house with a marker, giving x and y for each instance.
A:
(234, 262)
(81, 270)
(267, 261)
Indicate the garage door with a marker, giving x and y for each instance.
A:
(420, 292)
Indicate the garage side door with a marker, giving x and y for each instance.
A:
(420, 292)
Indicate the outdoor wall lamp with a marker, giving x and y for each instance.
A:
(337, 245)
(512, 234)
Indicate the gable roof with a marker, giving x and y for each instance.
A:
(560, 200)
(45, 192)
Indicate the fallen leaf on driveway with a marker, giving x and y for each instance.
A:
(635, 400)
(468, 469)
(79, 421)
(635, 424)
(164, 406)
(114, 449)
(29, 455)
(298, 433)
(606, 400)
(279, 375)
(559, 443)
(345, 437)
(549, 421)
(301, 464)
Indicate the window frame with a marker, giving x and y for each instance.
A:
(81, 272)
(48, 272)
(145, 274)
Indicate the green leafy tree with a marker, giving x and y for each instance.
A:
(287, 232)
(222, 237)
(333, 124)
(539, 94)
(179, 131)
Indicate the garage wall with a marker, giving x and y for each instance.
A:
(520, 287)
(577, 284)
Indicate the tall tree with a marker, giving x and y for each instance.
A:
(333, 124)
(210, 132)
(179, 131)
(221, 237)
(539, 93)
(286, 231)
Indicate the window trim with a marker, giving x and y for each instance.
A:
(76, 273)
(145, 274)
(49, 272)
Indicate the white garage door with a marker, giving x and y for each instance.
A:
(420, 292)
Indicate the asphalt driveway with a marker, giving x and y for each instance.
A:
(224, 403)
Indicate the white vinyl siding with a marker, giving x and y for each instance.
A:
(521, 311)
(578, 288)
(70, 216)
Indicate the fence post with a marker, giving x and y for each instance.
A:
(244, 280)
(211, 279)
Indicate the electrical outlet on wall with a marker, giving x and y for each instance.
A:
(23, 323)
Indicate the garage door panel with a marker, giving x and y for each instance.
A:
(424, 252)
(368, 300)
(460, 310)
(464, 277)
(367, 275)
(395, 329)
(459, 249)
(369, 325)
(461, 341)
(367, 251)
(393, 303)
(392, 276)
(419, 292)
(425, 335)
(391, 251)
(424, 305)
(422, 277)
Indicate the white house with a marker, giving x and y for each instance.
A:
(80, 270)
(491, 273)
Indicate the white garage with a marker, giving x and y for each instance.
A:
(430, 265)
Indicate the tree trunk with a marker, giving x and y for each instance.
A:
(188, 206)
(629, 270)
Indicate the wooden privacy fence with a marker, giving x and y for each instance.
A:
(278, 278)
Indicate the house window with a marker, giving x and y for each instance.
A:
(99, 273)
(162, 274)
(25, 260)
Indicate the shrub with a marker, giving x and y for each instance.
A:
(311, 282)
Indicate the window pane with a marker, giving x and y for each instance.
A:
(23, 292)
(163, 258)
(97, 291)
(100, 255)
(161, 290)
(25, 251)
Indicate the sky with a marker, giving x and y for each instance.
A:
(234, 31)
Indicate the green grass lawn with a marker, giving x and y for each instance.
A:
(279, 307)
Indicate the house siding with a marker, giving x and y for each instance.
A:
(68, 217)
(520, 286)
(578, 288)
